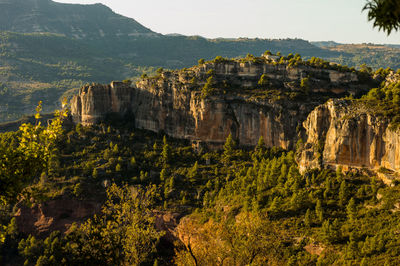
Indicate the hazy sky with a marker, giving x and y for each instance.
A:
(315, 20)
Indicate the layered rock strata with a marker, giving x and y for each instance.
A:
(345, 133)
(172, 102)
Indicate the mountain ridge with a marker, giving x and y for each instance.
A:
(72, 20)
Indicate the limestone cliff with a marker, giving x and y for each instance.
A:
(95, 101)
(173, 102)
(345, 133)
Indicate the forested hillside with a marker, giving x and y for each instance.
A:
(238, 206)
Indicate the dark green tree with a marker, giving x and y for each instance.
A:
(229, 149)
(260, 149)
(193, 173)
(342, 193)
(305, 85)
(385, 14)
(351, 210)
(319, 212)
(166, 153)
(208, 88)
(123, 234)
(308, 219)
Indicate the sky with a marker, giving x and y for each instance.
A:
(314, 20)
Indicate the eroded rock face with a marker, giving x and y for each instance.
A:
(167, 222)
(344, 133)
(94, 101)
(58, 214)
(172, 103)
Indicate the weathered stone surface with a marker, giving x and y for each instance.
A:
(58, 214)
(346, 134)
(94, 101)
(172, 103)
(167, 222)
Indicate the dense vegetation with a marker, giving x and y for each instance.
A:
(355, 55)
(49, 67)
(384, 101)
(239, 206)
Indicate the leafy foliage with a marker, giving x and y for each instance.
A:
(385, 14)
(25, 158)
(384, 101)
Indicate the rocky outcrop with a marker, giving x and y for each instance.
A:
(58, 214)
(345, 133)
(167, 222)
(95, 101)
(172, 102)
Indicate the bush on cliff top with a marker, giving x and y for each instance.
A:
(385, 101)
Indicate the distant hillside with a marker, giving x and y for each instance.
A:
(323, 44)
(78, 21)
(45, 67)
(373, 55)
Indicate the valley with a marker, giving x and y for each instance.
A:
(123, 146)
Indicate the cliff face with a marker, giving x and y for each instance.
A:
(342, 133)
(173, 102)
(93, 102)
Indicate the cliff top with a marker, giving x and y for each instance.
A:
(384, 100)
(270, 76)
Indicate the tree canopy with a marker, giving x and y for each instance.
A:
(385, 14)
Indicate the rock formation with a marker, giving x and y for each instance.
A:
(173, 102)
(57, 214)
(345, 133)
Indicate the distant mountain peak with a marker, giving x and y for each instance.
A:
(72, 20)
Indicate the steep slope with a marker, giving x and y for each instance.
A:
(77, 21)
(340, 133)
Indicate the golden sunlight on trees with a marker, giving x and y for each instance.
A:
(123, 234)
(245, 239)
(26, 159)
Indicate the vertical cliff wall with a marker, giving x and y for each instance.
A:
(95, 101)
(345, 133)
(173, 101)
